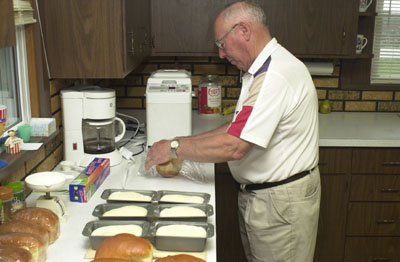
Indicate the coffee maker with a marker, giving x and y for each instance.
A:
(89, 125)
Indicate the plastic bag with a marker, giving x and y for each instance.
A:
(190, 170)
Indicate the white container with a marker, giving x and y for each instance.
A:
(168, 105)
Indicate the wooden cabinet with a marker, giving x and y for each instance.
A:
(373, 220)
(334, 165)
(313, 27)
(94, 38)
(184, 27)
(229, 245)
(307, 28)
(7, 28)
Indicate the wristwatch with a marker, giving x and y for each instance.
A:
(174, 146)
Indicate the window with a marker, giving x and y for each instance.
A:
(14, 87)
(386, 62)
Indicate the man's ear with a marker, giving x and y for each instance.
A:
(245, 30)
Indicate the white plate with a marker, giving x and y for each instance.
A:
(45, 181)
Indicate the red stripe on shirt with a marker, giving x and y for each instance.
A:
(237, 126)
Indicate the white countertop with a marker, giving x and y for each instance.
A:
(353, 129)
(72, 245)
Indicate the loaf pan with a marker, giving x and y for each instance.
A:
(206, 208)
(99, 210)
(182, 244)
(93, 225)
(161, 193)
(106, 194)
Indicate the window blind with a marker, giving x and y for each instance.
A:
(23, 12)
(386, 62)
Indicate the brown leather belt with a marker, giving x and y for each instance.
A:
(246, 188)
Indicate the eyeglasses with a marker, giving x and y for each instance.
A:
(219, 43)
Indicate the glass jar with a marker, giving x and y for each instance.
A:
(18, 201)
(6, 195)
(210, 95)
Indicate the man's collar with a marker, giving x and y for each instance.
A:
(263, 55)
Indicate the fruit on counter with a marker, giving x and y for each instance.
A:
(170, 168)
(325, 107)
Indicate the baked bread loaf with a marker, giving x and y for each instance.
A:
(40, 216)
(112, 260)
(180, 258)
(125, 246)
(31, 242)
(170, 168)
(25, 227)
(13, 254)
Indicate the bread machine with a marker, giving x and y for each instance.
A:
(168, 105)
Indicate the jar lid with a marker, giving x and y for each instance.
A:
(5, 192)
(16, 186)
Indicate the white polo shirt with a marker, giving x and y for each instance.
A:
(277, 111)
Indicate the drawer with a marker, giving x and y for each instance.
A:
(376, 160)
(334, 160)
(373, 219)
(367, 249)
(375, 188)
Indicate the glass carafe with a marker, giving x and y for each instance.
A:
(99, 135)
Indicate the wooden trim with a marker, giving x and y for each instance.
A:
(7, 24)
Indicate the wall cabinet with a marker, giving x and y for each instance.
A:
(94, 38)
(7, 28)
(307, 28)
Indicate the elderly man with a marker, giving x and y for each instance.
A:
(271, 145)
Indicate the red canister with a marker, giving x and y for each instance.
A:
(210, 95)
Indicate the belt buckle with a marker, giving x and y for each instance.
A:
(243, 188)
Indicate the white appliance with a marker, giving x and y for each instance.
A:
(168, 105)
(89, 125)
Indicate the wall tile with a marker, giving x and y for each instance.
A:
(343, 95)
(38, 157)
(129, 103)
(194, 59)
(377, 95)
(161, 59)
(145, 69)
(229, 80)
(321, 94)
(17, 175)
(135, 91)
(396, 95)
(55, 103)
(232, 70)
(326, 82)
(187, 67)
(337, 106)
(389, 106)
(228, 102)
(209, 69)
(51, 161)
(360, 106)
(233, 92)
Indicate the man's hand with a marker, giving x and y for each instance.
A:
(160, 152)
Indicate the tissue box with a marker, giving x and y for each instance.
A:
(82, 188)
(42, 126)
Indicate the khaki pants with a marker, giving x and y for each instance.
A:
(280, 223)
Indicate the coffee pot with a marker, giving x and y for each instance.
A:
(90, 127)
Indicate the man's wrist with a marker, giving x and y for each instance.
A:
(174, 144)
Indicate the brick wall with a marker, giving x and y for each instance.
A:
(131, 90)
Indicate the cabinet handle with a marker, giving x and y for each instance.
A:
(389, 190)
(381, 259)
(132, 50)
(385, 221)
(391, 164)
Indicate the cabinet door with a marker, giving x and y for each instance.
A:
(7, 28)
(317, 27)
(229, 245)
(334, 168)
(361, 249)
(376, 160)
(91, 38)
(184, 27)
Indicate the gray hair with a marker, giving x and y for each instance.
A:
(249, 10)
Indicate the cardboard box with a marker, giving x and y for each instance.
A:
(82, 188)
(42, 126)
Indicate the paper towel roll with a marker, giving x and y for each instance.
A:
(320, 68)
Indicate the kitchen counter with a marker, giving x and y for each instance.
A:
(353, 129)
(72, 245)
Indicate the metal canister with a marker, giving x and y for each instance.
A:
(210, 95)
